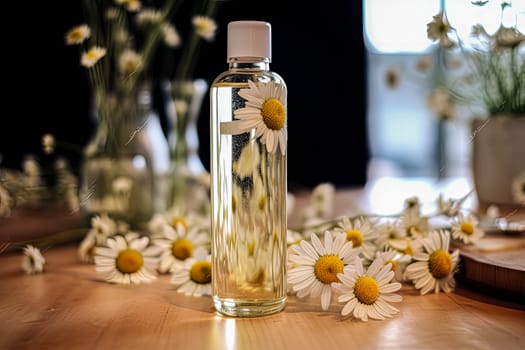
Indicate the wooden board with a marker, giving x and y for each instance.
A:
(495, 265)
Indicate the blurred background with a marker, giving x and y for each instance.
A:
(356, 104)
(48, 90)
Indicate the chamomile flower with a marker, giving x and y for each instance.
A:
(48, 143)
(178, 244)
(103, 227)
(127, 259)
(466, 229)
(434, 266)
(33, 261)
(170, 35)
(148, 16)
(122, 185)
(314, 266)
(362, 235)
(92, 56)
(321, 202)
(265, 110)
(205, 27)
(86, 248)
(439, 29)
(415, 225)
(389, 230)
(78, 34)
(293, 237)
(193, 277)
(397, 260)
(368, 293)
(130, 62)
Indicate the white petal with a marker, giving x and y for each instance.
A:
(326, 295)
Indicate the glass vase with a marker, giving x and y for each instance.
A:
(126, 165)
(188, 179)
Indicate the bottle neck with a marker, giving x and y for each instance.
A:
(249, 63)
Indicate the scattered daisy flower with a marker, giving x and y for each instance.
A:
(205, 27)
(415, 225)
(127, 259)
(293, 237)
(33, 261)
(466, 229)
(362, 235)
(397, 260)
(178, 244)
(156, 224)
(86, 248)
(389, 230)
(265, 110)
(368, 293)
(315, 266)
(321, 203)
(493, 212)
(448, 207)
(193, 277)
(433, 268)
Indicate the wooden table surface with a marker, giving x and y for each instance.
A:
(69, 307)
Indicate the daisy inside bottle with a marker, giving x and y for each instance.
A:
(248, 171)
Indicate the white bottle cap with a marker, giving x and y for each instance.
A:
(249, 39)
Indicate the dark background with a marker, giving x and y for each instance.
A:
(317, 48)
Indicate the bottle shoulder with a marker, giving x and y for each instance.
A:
(243, 76)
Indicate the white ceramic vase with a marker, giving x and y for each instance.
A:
(498, 161)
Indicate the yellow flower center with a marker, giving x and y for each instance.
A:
(273, 115)
(201, 272)
(408, 250)
(440, 263)
(394, 264)
(366, 290)
(129, 261)
(76, 35)
(234, 203)
(182, 249)
(251, 248)
(467, 228)
(327, 267)
(179, 220)
(92, 54)
(355, 237)
(262, 202)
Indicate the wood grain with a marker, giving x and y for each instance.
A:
(70, 307)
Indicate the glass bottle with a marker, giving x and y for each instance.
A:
(126, 165)
(248, 177)
(187, 190)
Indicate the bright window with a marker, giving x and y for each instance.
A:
(401, 129)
